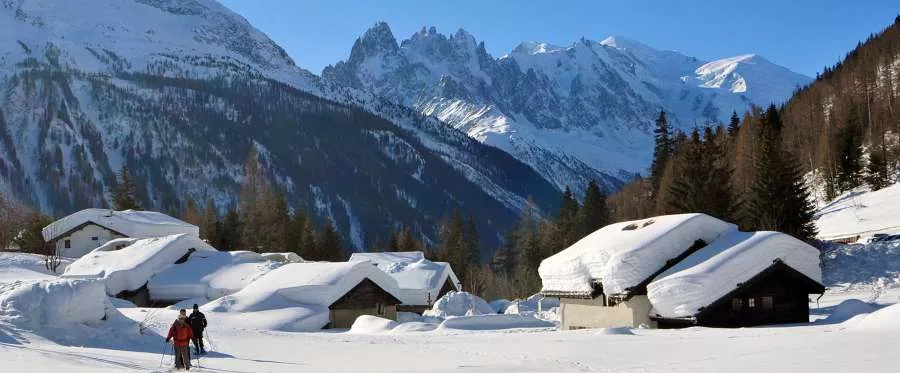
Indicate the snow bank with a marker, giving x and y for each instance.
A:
(621, 330)
(715, 270)
(500, 305)
(54, 302)
(367, 324)
(296, 296)
(129, 223)
(849, 309)
(459, 303)
(415, 327)
(23, 267)
(530, 305)
(209, 275)
(419, 280)
(886, 319)
(131, 267)
(493, 322)
(875, 263)
(860, 213)
(625, 254)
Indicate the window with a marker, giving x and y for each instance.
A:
(751, 302)
(767, 303)
(737, 304)
(379, 308)
(67, 244)
(94, 238)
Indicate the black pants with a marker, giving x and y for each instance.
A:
(198, 340)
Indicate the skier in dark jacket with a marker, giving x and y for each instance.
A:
(197, 321)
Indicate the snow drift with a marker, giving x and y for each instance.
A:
(210, 275)
(860, 212)
(625, 254)
(494, 322)
(715, 270)
(131, 267)
(885, 320)
(23, 267)
(54, 302)
(459, 303)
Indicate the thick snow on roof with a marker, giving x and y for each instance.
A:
(715, 270)
(625, 254)
(139, 224)
(132, 266)
(311, 283)
(416, 277)
(860, 213)
(209, 275)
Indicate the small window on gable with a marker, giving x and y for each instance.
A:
(767, 303)
(630, 227)
(751, 302)
(737, 304)
(648, 222)
(67, 244)
(94, 238)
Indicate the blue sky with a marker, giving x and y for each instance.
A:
(803, 35)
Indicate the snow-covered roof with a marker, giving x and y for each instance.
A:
(715, 270)
(209, 275)
(132, 266)
(130, 223)
(623, 255)
(310, 283)
(416, 277)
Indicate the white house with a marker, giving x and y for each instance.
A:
(421, 282)
(681, 270)
(77, 234)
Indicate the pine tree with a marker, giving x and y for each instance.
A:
(230, 232)
(780, 200)
(594, 214)
(407, 241)
(191, 214)
(686, 193)
(570, 231)
(328, 244)
(877, 175)
(849, 164)
(734, 125)
(393, 244)
(471, 239)
(663, 149)
(124, 192)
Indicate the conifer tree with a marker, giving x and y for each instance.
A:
(208, 222)
(570, 231)
(663, 149)
(229, 236)
(734, 125)
(686, 193)
(407, 241)
(328, 244)
(849, 164)
(780, 200)
(877, 175)
(191, 213)
(594, 214)
(124, 192)
(470, 236)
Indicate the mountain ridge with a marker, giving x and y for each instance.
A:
(573, 113)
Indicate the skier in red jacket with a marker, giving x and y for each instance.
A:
(181, 334)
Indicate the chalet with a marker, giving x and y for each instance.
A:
(76, 235)
(342, 291)
(420, 281)
(680, 270)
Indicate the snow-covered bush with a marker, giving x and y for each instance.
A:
(459, 303)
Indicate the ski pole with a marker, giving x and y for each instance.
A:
(163, 354)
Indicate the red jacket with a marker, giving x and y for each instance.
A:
(181, 333)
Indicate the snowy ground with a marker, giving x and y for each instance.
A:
(820, 347)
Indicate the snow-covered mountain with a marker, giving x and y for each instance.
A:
(181, 90)
(571, 112)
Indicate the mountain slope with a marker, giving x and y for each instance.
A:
(572, 113)
(179, 91)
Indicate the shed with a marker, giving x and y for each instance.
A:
(420, 281)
